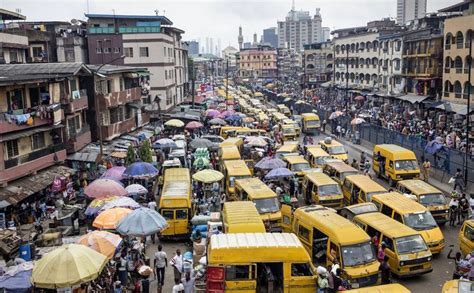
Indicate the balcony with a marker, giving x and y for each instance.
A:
(6, 126)
(422, 52)
(29, 164)
(79, 103)
(422, 72)
(79, 140)
(112, 131)
(115, 99)
(139, 29)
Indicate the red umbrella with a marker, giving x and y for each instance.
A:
(193, 125)
(359, 98)
(103, 188)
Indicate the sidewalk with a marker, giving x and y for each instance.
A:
(437, 178)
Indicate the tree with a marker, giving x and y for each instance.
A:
(145, 152)
(131, 156)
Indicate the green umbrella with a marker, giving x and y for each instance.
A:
(201, 162)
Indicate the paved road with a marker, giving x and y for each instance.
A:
(442, 269)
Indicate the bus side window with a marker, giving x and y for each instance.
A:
(303, 232)
(334, 250)
(378, 205)
(301, 270)
(237, 272)
(243, 195)
(386, 210)
(388, 243)
(397, 217)
(390, 164)
(181, 214)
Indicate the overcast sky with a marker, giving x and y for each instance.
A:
(218, 18)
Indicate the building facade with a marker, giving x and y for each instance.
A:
(145, 41)
(71, 43)
(408, 10)
(258, 63)
(318, 63)
(193, 47)
(230, 53)
(300, 28)
(13, 48)
(289, 63)
(270, 37)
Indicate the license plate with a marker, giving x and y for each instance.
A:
(355, 285)
(416, 268)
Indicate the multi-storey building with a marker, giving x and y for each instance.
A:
(193, 47)
(299, 29)
(146, 41)
(71, 43)
(408, 10)
(13, 48)
(289, 63)
(390, 64)
(318, 60)
(270, 37)
(259, 63)
(458, 42)
(42, 114)
(230, 53)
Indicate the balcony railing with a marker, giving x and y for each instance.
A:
(115, 99)
(139, 29)
(33, 155)
(77, 101)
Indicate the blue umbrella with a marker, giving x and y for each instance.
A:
(233, 117)
(269, 163)
(279, 173)
(141, 222)
(140, 170)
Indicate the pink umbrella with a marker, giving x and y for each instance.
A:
(103, 188)
(226, 113)
(193, 125)
(115, 173)
(212, 113)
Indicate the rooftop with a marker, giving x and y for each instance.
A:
(458, 7)
(163, 19)
(112, 69)
(10, 15)
(10, 73)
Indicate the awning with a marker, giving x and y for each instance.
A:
(28, 132)
(412, 98)
(120, 155)
(84, 157)
(453, 107)
(20, 189)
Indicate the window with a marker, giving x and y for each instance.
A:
(469, 233)
(128, 52)
(301, 270)
(303, 232)
(286, 220)
(166, 74)
(387, 211)
(397, 217)
(116, 50)
(164, 51)
(167, 214)
(143, 51)
(181, 214)
(237, 272)
(388, 243)
(71, 123)
(13, 56)
(37, 52)
(15, 100)
(12, 148)
(98, 49)
(122, 84)
(78, 121)
(38, 141)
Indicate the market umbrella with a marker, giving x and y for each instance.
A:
(102, 188)
(248, 120)
(136, 189)
(67, 266)
(97, 204)
(242, 115)
(269, 163)
(201, 162)
(227, 113)
(114, 173)
(255, 141)
(212, 113)
(208, 176)
(233, 118)
(359, 98)
(357, 121)
(174, 123)
(109, 218)
(258, 94)
(121, 202)
(217, 121)
(142, 222)
(140, 170)
(103, 242)
(335, 114)
(164, 143)
(201, 143)
(299, 102)
(279, 173)
(194, 125)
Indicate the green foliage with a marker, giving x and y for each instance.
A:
(131, 156)
(145, 152)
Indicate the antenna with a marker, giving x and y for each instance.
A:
(87, 6)
(293, 5)
(156, 12)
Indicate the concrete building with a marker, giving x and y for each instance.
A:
(300, 28)
(13, 48)
(240, 38)
(230, 53)
(408, 10)
(71, 43)
(42, 115)
(207, 66)
(289, 63)
(247, 45)
(326, 34)
(270, 37)
(258, 63)
(458, 39)
(147, 41)
(391, 81)
(193, 47)
(318, 63)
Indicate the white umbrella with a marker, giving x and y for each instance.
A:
(136, 189)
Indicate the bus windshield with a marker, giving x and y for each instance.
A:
(329, 189)
(358, 254)
(406, 165)
(420, 221)
(233, 178)
(432, 199)
(337, 150)
(410, 244)
(266, 205)
(299, 167)
(314, 123)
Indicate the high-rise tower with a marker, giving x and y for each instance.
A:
(241, 38)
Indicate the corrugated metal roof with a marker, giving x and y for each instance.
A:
(27, 132)
(111, 69)
(37, 71)
(84, 157)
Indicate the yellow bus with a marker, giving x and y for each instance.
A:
(432, 198)
(289, 121)
(175, 202)
(243, 262)
(226, 154)
(360, 189)
(388, 288)
(311, 123)
(286, 149)
(233, 141)
(284, 110)
(458, 286)
(412, 214)
(227, 131)
(339, 171)
(241, 217)
(297, 164)
(264, 199)
(289, 132)
(330, 238)
(233, 170)
(399, 163)
(407, 252)
(334, 148)
(316, 156)
(466, 237)
(320, 189)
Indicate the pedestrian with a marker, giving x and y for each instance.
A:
(354, 164)
(177, 264)
(457, 259)
(161, 262)
(338, 131)
(305, 140)
(458, 180)
(178, 286)
(381, 252)
(426, 166)
(152, 205)
(324, 125)
(385, 270)
(337, 280)
(188, 283)
(381, 161)
(464, 208)
(323, 283)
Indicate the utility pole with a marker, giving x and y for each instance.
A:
(226, 83)
(468, 116)
(347, 78)
(193, 78)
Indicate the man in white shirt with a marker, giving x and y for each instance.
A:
(178, 287)
(177, 264)
(152, 205)
(188, 283)
(160, 264)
